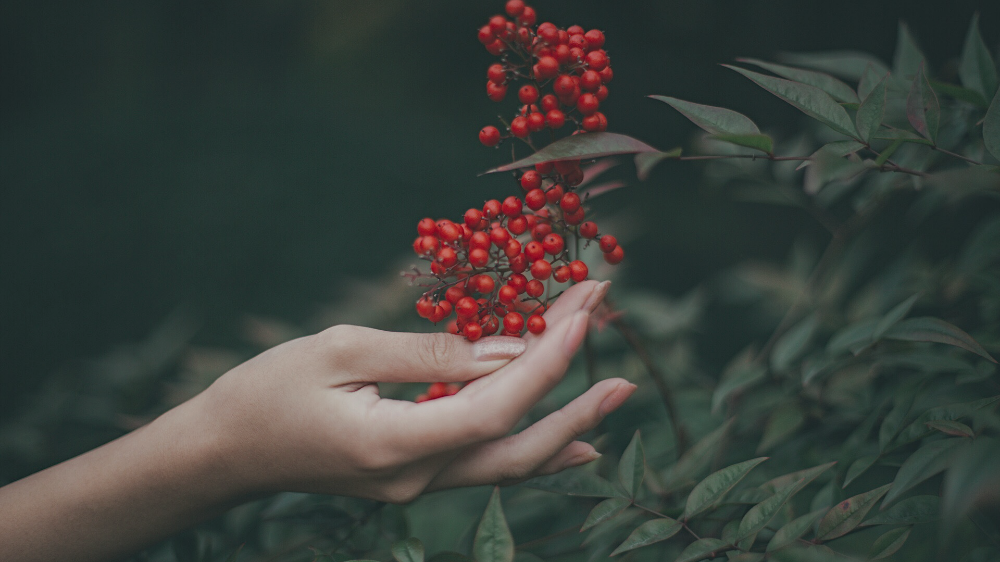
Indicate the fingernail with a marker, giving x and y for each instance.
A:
(616, 399)
(596, 296)
(575, 332)
(589, 456)
(495, 348)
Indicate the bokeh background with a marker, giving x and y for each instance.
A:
(257, 157)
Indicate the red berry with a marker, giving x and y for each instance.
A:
(575, 52)
(595, 39)
(549, 33)
(441, 311)
(570, 202)
(574, 30)
(607, 74)
(531, 180)
(587, 103)
(528, 16)
(485, 35)
(496, 73)
(578, 270)
(536, 122)
(563, 86)
(478, 257)
(425, 307)
(512, 248)
(466, 307)
(437, 390)
(454, 294)
(555, 119)
(541, 269)
(547, 67)
(517, 225)
(553, 244)
(528, 94)
(614, 257)
(590, 80)
(588, 229)
(577, 41)
(447, 257)
(491, 209)
(474, 219)
(608, 243)
(549, 102)
(489, 135)
(511, 206)
(563, 54)
(495, 92)
(448, 231)
(513, 322)
(519, 127)
(515, 8)
(472, 331)
(518, 282)
(518, 264)
(491, 326)
(421, 398)
(561, 274)
(534, 251)
(498, 24)
(479, 240)
(540, 231)
(507, 294)
(592, 123)
(534, 288)
(601, 93)
(536, 324)
(554, 194)
(426, 227)
(484, 283)
(535, 199)
(495, 48)
(597, 60)
(576, 217)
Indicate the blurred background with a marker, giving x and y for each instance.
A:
(204, 161)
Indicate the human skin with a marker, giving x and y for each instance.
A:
(306, 416)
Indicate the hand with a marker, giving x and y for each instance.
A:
(307, 415)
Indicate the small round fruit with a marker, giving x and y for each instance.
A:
(513, 322)
(489, 136)
(536, 324)
(608, 243)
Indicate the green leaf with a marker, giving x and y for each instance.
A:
(976, 69)
(846, 64)
(794, 529)
(632, 466)
(648, 533)
(792, 344)
(847, 515)
(872, 111)
(959, 93)
(695, 460)
(799, 479)
(747, 557)
(815, 553)
(714, 120)
(702, 549)
(981, 249)
(902, 135)
(783, 422)
(409, 550)
(580, 147)
(236, 553)
(918, 429)
(761, 514)
(923, 110)
(991, 127)
(646, 161)
(604, 511)
(908, 60)
(575, 482)
(858, 468)
(737, 378)
(927, 461)
(450, 556)
(928, 329)
(869, 79)
(760, 142)
(972, 480)
(894, 420)
(837, 89)
(918, 509)
(886, 154)
(949, 427)
(892, 317)
(889, 543)
(493, 542)
(718, 484)
(809, 99)
(854, 336)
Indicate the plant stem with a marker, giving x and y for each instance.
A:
(887, 167)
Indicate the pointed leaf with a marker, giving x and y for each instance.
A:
(580, 147)
(847, 515)
(991, 127)
(809, 99)
(930, 329)
(646, 161)
(632, 466)
(409, 550)
(837, 89)
(949, 427)
(889, 543)
(972, 480)
(959, 93)
(575, 482)
(892, 317)
(710, 490)
(736, 379)
(450, 556)
(982, 248)
(894, 420)
(714, 120)
(872, 111)
(869, 79)
(858, 468)
(696, 460)
(761, 514)
(783, 422)
(792, 344)
(927, 461)
(799, 479)
(918, 509)
(976, 69)
(760, 142)
(604, 511)
(908, 59)
(852, 336)
(236, 553)
(493, 542)
(922, 107)
(702, 549)
(648, 533)
(794, 529)
(918, 429)
(846, 64)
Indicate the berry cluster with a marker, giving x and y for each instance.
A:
(499, 267)
(568, 61)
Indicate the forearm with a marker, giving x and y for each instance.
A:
(116, 499)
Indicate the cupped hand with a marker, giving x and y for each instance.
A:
(307, 415)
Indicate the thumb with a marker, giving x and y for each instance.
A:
(379, 356)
